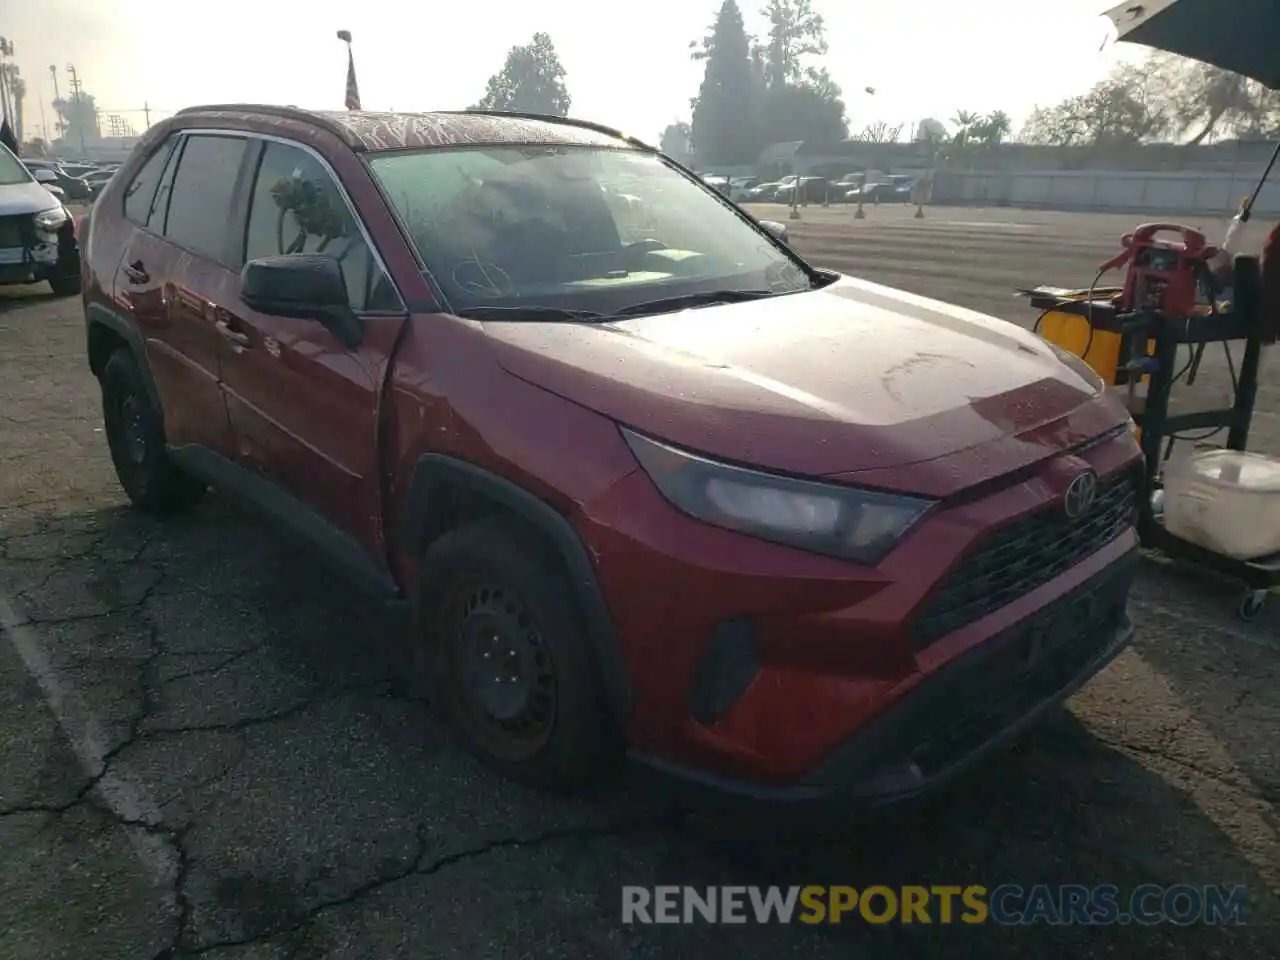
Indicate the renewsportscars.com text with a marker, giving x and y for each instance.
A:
(1005, 905)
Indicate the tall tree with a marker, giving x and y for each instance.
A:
(676, 139)
(1128, 107)
(801, 102)
(532, 80)
(810, 110)
(796, 31)
(1202, 101)
(724, 122)
(78, 115)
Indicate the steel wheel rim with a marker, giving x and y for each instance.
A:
(500, 670)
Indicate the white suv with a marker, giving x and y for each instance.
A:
(37, 233)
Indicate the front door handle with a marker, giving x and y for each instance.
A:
(235, 336)
(136, 273)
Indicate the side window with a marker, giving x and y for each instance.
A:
(160, 206)
(203, 190)
(297, 208)
(141, 191)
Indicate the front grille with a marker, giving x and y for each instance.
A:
(11, 230)
(1034, 663)
(1024, 556)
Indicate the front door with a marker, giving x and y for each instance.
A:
(304, 410)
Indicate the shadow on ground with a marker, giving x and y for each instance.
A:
(317, 810)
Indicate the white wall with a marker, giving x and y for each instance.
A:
(1204, 193)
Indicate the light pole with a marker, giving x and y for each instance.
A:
(58, 125)
(77, 97)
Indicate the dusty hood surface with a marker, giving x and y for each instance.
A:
(25, 198)
(852, 377)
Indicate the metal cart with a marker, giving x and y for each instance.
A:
(1150, 345)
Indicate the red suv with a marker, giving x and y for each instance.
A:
(646, 480)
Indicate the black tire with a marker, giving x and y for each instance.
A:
(67, 285)
(490, 577)
(135, 436)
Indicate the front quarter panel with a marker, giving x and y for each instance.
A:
(449, 396)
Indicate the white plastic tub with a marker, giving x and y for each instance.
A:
(1226, 501)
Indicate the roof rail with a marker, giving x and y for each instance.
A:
(287, 113)
(553, 118)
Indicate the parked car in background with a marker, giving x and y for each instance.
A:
(892, 189)
(37, 234)
(654, 485)
(98, 180)
(75, 188)
(804, 190)
(740, 188)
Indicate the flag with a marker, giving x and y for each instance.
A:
(353, 90)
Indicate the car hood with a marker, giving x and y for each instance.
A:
(852, 377)
(30, 197)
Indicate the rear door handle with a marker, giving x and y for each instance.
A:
(235, 336)
(137, 273)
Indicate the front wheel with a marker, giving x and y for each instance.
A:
(507, 656)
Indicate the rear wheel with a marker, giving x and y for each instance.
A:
(507, 657)
(135, 436)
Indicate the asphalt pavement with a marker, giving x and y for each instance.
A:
(204, 751)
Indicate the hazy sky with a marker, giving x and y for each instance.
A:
(628, 63)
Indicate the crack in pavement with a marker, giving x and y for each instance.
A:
(1238, 782)
(417, 866)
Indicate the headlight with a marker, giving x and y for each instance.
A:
(51, 220)
(860, 525)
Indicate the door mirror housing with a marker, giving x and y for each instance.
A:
(776, 229)
(306, 286)
(45, 176)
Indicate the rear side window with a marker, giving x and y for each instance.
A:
(142, 189)
(200, 204)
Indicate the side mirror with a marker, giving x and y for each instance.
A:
(45, 176)
(778, 230)
(306, 286)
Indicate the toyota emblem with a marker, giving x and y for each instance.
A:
(1081, 493)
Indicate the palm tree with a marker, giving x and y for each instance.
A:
(964, 120)
(17, 92)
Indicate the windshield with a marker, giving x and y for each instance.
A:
(587, 229)
(11, 169)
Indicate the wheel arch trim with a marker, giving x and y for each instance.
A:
(434, 470)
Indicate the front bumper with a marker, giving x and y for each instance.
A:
(964, 711)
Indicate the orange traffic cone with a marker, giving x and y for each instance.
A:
(860, 214)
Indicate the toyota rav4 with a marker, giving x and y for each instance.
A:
(644, 480)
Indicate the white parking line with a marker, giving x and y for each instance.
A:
(123, 796)
(990, 225)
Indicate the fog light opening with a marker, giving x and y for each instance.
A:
(729, 664)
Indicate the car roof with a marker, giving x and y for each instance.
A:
(371, 131)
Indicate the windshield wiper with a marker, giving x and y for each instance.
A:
(708, 298)
(534, 313)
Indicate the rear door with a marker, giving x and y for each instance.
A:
(186, 376)
(200, 229)
(304, 409)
